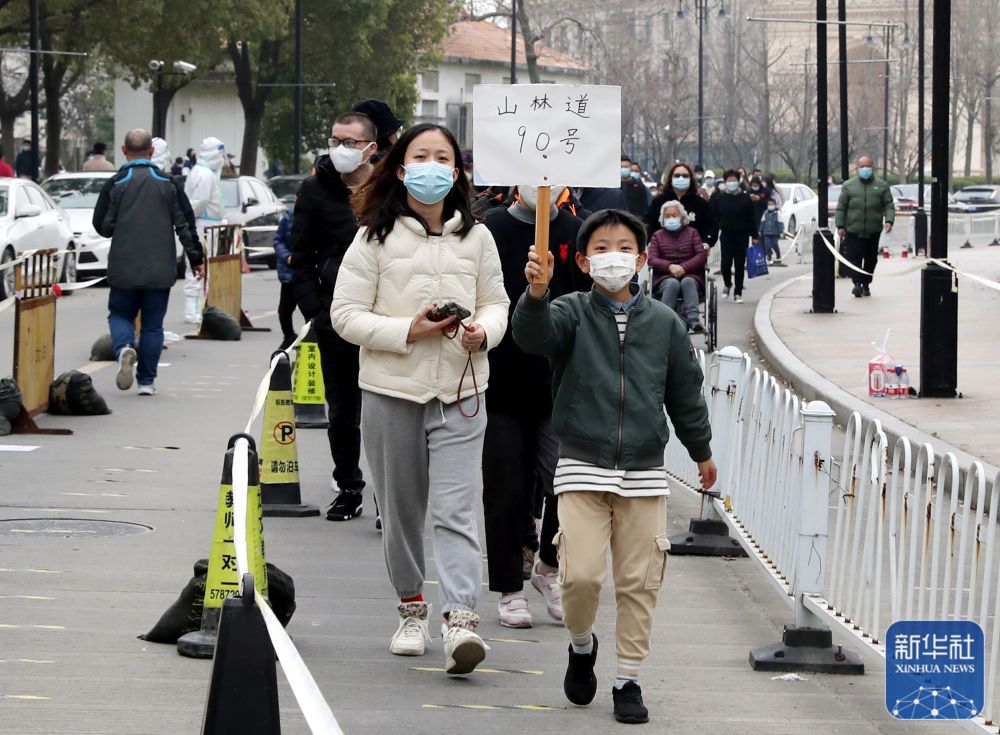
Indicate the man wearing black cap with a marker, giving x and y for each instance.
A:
(386, 123)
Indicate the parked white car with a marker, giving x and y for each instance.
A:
(77, 193)
(249, 202)
(30, 220)
(800, 206)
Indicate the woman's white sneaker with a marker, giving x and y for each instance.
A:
(463, 649)
(411, 636)
(513, 611)
(547, 583)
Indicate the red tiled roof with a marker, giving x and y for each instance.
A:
(483, 41)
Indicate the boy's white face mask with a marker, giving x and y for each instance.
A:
(612, 271)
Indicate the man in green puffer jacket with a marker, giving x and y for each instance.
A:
(864, 209)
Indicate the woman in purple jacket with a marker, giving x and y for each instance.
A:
(677, 257)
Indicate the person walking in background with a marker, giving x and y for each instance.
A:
(6, 172)
(678, 257)
(520, 450)
(202, 189)
(323, 227)
(98, 161)
(190, 161)
(864, 211)
(635, 195)
(734, 213)
(759, 196)
(139, 209)
(26, 163)
(618, 360)
(177, 169)
(423, 369)
(681, 187)
(770, 231)
(387, 125)
(283, 260)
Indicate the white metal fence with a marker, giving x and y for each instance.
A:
(858, 541)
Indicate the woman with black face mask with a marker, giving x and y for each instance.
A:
(734, 213)
(680, 184)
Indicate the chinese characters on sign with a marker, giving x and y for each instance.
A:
(307, 379)
(547, 134)
(934, 670)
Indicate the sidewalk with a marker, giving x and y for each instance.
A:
(72, 602)
(825, 356)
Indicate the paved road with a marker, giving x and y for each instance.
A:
(71, 604)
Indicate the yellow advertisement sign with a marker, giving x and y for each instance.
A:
(307, 378)
(223, 576)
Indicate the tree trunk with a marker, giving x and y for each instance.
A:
(970, 129)
(167, 94)
(253, 97)
(53, 73)
(528, 36)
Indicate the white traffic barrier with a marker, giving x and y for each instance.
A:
(879, 535)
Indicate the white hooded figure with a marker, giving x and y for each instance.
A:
(202, 188)
(161, 155)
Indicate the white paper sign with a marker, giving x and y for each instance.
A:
(547, 134)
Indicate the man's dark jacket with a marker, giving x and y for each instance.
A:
(323, 229)
(140, 208)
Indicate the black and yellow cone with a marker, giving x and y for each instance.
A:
(279, 456)
(223, 575)
(308, 391)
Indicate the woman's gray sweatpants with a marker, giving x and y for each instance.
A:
(419, 453)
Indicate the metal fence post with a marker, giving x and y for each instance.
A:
(708, 535)
(810, 551)
(808, 645)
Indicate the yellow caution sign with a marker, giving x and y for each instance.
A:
(223, 576)
(279, 456)
(308, 386)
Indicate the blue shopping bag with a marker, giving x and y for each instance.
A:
(756, 261)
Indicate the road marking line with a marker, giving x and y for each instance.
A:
(493, 707)
(121, 469)
(97, 495)
(17, 448)
(25, 661)
(36, 571)
(438, 669)
(25, 597)
(37, 627)
(31, 697)
(92, 367)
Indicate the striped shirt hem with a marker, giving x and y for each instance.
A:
(573, 475)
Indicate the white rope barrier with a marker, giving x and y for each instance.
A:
(318, 715)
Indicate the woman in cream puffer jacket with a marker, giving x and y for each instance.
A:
(421, 417)
(381, 286)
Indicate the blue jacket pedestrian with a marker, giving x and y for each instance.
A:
(770, 224)
(281, 246)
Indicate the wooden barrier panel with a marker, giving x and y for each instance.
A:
(34, 339)
(224, 277)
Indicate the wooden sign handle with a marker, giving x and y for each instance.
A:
(542, 212)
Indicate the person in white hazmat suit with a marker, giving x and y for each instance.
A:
(192, 287)
(202, 189)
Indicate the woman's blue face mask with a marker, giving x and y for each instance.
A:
(428, 182)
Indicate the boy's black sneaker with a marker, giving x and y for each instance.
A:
(628, 704)
(345, 506)
(857, 291)
(580, 684)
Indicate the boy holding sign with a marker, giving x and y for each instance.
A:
(618, 359)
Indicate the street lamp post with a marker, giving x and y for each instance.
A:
(920, 219)
(701, 15)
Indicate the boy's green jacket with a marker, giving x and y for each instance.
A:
(608, 396)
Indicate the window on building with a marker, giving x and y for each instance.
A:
(429, 81)
(429, 109)
(471, 80)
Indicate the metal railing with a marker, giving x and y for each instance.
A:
(855, 542)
